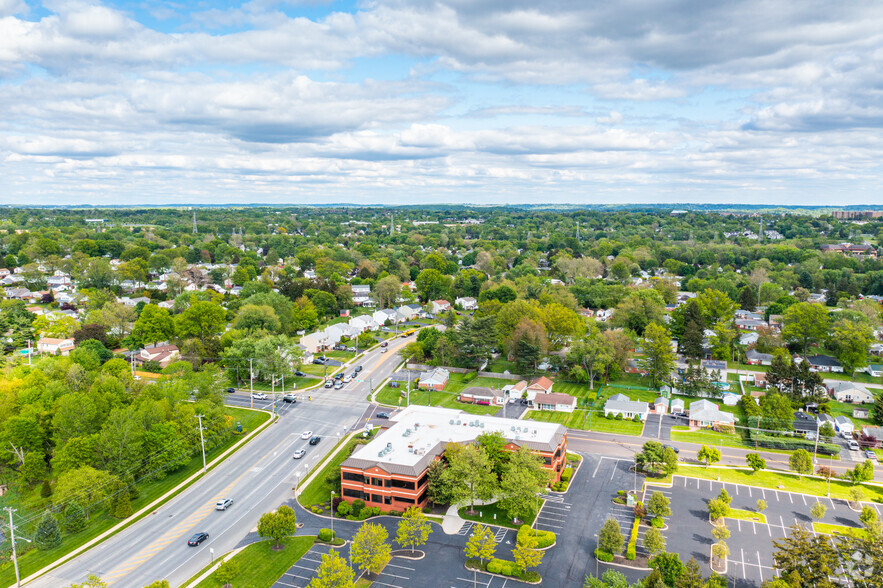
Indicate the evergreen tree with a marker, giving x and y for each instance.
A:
(694, 331)
(781, 369)
(120, 501)
(48, 535)
(877, 411)
(747, 299)
(74, 518)
(691, 577)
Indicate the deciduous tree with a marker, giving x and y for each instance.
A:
(370, 551)
(332, 572)
(278, 525)
(413, 529)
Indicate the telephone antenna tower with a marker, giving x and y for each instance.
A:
(760, 234)
(392, 224)
(577, 230)
(194, 223)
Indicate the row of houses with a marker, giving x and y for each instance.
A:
(702, 413)
(313, 343)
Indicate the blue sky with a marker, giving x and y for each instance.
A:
(475, 101)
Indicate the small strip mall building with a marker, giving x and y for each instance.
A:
(391, 472)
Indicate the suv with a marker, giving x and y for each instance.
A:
(224, 504)
(289, 398)
(853, 445)
(358, 369)
(329, 383)
(315, 440)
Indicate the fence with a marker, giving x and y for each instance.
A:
(425, 368)
(500, 376)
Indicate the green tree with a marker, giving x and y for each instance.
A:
(440, 489)
(868, 516)
(755, 462)
(278, 525)
(92, 581)
(120, 500)
(470, 474)
(370, 551)
(86, 484)
(332, 572)
(691, 577)
(433, 285)
(709, 455)
(227, 572)
(863, 472)
(851, 341)
(721, 533)
(818, 511)
(33, 468)
(387, 290)
(654, 541)
(47, 535)
(724, 337)
(593, 353)
(805, 323)
(813, 560)
(656, 458)
(669, 566)
(162, 584)
(693, 336)
(155, 324)
(747, 299)
(523, 479)
(610, 579)
(481, 544)
(761, 505)
(413, 529)
(610, 538)
(526, 554)
(659, 359)
(718, 509)
(714, 305)
(74, 519)
(253, 317)
(201, 319)
(801, 462)
(658, 505)
(639, 310)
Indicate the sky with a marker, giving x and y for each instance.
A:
(449, 101)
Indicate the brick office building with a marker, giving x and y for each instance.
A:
(390, 472)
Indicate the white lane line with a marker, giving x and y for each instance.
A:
(743, 562)
(759, 567)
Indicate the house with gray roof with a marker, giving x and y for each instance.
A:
(628, 408)
(704, 413)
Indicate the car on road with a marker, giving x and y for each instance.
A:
(384, 344)
(299, 374)
(231, 390)
(338, 385)
(384, 349)
(338, 376)
(306, 434)
(224, 504)
(258, 395)
(382, 415)
(299, 453)
(358, 368)
(329, 383)
(347, 379)
(197, 539)
(870, 454)
(672, 447)
(315, 440)
(289, 398)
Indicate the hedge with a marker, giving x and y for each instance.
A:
(603, 555)
(657, 522)
(631, 551)
(326, 535)
(560, 486)
(566, 474)
(774, 442)
(544, 538)
(501, 566)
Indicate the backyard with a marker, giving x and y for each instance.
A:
(445, 399)
(587, 421)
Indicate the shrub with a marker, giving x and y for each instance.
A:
(603, 555)
(426, 510)
(630, 552)
(566, 474)
(621, 492)
(619, 416)
(395, 513)
(530, 576)
(357, 506)
(636, 419)
(316, 509)
(657, 522)
(344, 508)
(544, 538)
(326, 535)
(351, 518)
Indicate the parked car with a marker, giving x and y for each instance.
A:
(299, 374)
(231, 390)
(338, 376)
(870, 454)
(329, 383)
(258, 395)
(338, 385)
(351, 349)
(289, 398)
(197, 539)
(315, 440)
(853, 445)
(382, 415)
(306, 435)
(224, 504)
(299, 453)
(318, 361)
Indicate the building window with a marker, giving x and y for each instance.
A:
(377, 482)
(353, 477)
(387, 500)
(423, 496)
(350, 493)
(405, 500)
(377, 498)
(406, 484)
(558, 453)
(423, 480)
(547, 460)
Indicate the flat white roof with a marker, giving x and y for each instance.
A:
(418, 429)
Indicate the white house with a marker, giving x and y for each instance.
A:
(163, 354)
(386, 314)
(850, 392)
(316, 342)
(628, 408)
(704, 413)
(844, 425)
(519, 391)
(677, 405)
(363, 323)
(467, 303)
(875, 370)
(482, 395)
(52, 345)
(730, 399)
(556, 401)
(438, 306)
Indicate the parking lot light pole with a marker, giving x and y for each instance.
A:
(332, 515)
(597, 548)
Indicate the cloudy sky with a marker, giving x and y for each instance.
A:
(477, 101)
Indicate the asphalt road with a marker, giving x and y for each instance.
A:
(259, 477)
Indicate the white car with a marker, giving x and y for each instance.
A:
(224, 504)
(306, 435)
(347, 379)
(299, 453)
(384, 349)
(258, 395)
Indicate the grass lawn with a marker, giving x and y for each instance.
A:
(319, 491)
(844, 409)
(445, 399)
(457, 383)
(706, 437)
(638, 395)
(100, 521)
(746, 515)
(501, 365)
(580, 391)
(829, 529)
(487, 512)
(316, 370)
(807, 485)
(579, 419)
(260, 566)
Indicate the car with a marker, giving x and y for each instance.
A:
(338, 376)
(306, 435)
(383, 350)
(358, 368)
(338, 385)
(318, 361)
(315, 440)
(299, 453)
(351, 349)
(224, 504)
(382, 415)
(197, 539)
(258, 395)
(299, 374)
(231, 390)
(853, 445)
(289, 398)
(329, 383)
(347, 379)
(384, 344)
(673, 448)
(870, 454)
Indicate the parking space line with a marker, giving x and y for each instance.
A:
(790, 498)
(737, 489)
(749, 492)
(739, 525)
(804, 499)
(762, 493)
(759, 567)
(777, 494)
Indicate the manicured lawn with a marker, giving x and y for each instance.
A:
(638, 395)
(580, 391)
(706, 437)
(487, 512)
(746, 515)
(445, 399)
(844, 409)
(579, 419)
(457, 383)
(807, 485)
(260, 566)
(501, 365)
(316, 370)
(829, 529)
(100, 521)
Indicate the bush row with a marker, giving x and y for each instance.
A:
(560, 486)
(603, 555)
(544, 538)
(631, 551)
(566, 474)
(773, 442)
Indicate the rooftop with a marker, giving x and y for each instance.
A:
(421, 431)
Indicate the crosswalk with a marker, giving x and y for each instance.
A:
(499, 533)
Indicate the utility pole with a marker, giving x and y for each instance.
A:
(201, 439)
(12, 540)
(194, 223)
(251, 380)
(29, 352)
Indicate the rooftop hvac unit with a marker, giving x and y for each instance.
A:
(512, 428)
(458, 421)
(389, 445)
(482, 425)
(410, 450)
(451, 422)
(416, 426)
(517, 437)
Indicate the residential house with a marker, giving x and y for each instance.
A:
(519, 391)
(604, 315)
(677, 406)
(362, 295)
(825, 363)
(749, 338)
(52, 346)
(660, 405)
(438, 306)
(776, 321)
(134, 301)
(860, 413)
(386, 314)
(875, 433)
(730, 399)
(628, 408)
(434, 379)
(704, 413)
(409, 311)
(364, 323)
(806, 424)
(823, 419)
(541, 385)
(467, 303)
(755, 357)
(162, 353)
(851, 392)
(482, 395)
(750, 324)
(557, 401)
(711, 365)
(875, 370)
(844, 425)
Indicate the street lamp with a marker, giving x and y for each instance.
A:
(332, 515)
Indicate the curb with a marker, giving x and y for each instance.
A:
(214, 567)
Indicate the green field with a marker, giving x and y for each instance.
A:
(261, 566)
(829, 529)
(100, 521)
(458, 382)
(445, 399)
(579, 419)
(501, 365)
(491, 514)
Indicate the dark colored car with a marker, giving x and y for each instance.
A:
(338, 376)
(197, 539)
(315, 440)
(318, 361)
(231, 390)
(382, 415)
(299, 374)
(675, 449)
(358, 369)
